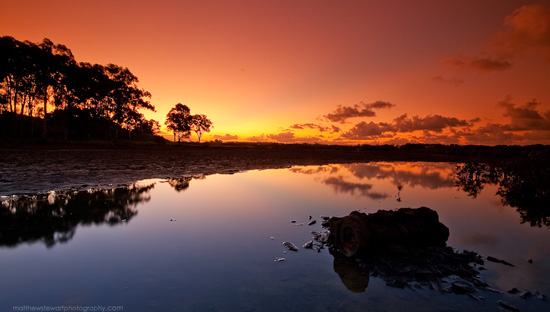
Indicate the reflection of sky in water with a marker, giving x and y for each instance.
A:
(216, 254)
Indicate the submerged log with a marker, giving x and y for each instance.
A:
(361, 233)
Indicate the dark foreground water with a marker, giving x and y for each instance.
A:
(209, 243)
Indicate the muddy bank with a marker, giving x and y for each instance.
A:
(33, 169)
(24, 171)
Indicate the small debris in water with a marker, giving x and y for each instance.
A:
(312, 222)
(290, 246)
(493, 259)
(507, 306)
(526, 295)
(272, 238)
(309, 245)
(513, 291)
(292, 221)
(279, 259)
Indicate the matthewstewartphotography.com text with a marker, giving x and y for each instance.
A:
(67, 308)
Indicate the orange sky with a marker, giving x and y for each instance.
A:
(321, 70)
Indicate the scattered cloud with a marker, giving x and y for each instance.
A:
(480, 64)
(330, 129)
(525, 117)
(434, 123)
(526, 123)
(342, 113)
(257, 138)
(403, 124)
(526, 29)
(284, 137)
(227, 137)
(290, 137)
(363, 130)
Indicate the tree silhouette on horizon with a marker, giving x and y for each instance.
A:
(180, 121)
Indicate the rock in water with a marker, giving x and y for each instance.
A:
(290, 246)
(308, 245)
(360, 232)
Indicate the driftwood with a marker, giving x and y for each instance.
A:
(360, 233)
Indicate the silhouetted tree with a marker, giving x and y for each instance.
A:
(200, 124)
(85, 97)
(179, 121)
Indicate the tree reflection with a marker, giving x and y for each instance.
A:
(181, 184)
(523, 184)
(53, 218)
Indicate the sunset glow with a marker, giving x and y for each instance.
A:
(318, 71)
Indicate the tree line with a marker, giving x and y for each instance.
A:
(73, 99)
(45, 92)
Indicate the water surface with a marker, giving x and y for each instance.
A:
(209, 243)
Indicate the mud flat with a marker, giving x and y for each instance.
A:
(36, 169)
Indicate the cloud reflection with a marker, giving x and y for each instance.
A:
(343, 178)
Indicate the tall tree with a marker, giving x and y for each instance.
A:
(179, 121)
(200, 124)
(79, 95)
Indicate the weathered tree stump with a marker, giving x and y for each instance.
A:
(361, 233)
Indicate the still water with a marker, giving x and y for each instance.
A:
(209, 243)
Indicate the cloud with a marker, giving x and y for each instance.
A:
(527, 124)
(289, 137)
(342, 113)
(480, 64)
(434, 123)
(526, 29)
(257, 138)
(284, 137)
(363, 130)
(404, 124)
(227, 136)
(453, 80)
(331, 129)
(525, 117)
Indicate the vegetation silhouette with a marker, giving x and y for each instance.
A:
(180, 121)
(54, 218)
(523, 183)
(44, 84)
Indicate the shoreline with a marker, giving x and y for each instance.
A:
(41, 169)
